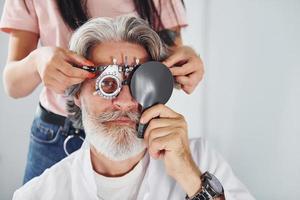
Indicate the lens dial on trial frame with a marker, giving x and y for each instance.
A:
(109, 83)
(113, 77)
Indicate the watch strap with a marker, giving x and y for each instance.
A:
(201, 195)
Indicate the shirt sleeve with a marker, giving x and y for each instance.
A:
(172, 13)
(19, 14)
(208, 159)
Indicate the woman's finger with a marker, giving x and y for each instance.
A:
(72, 71)
(183, 80)
(183, 70)
(176, 57)
(62, 81)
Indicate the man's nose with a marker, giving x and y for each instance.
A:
(124, 101)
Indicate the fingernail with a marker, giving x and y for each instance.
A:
(89, 63)
(91, 75)
(141, 121)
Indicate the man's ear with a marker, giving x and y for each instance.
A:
(77, 100)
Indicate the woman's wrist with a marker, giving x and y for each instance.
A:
(32, 61)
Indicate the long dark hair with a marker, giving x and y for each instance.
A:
(75, 13)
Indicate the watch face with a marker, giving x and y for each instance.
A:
(215, 184)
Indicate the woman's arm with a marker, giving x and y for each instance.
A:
(27, 66)
(20, 76)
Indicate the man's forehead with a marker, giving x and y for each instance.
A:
(104, 53)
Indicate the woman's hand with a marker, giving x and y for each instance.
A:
(54, 66)
(167, 139)
(186, 66)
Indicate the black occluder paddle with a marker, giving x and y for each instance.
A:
(151, 83)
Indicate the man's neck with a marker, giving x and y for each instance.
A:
(102, 165)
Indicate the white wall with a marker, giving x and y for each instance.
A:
(247, 105)
(252, 93)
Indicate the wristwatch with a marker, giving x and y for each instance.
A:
(211, 188)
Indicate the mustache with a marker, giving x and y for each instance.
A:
(115, 115)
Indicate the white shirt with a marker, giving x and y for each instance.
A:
(124, 187)
(73, 178)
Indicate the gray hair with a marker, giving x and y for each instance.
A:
(96, 31)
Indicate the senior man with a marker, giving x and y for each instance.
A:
(113, 162)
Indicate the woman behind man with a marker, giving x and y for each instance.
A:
(51, 24)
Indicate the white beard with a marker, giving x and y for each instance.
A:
(117, 143)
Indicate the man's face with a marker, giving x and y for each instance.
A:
(110, 125)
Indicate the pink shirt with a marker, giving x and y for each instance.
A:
(44, 19)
